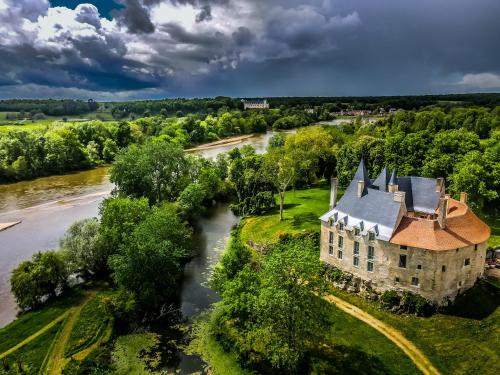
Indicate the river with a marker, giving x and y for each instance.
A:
(48, 206)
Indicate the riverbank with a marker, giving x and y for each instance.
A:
(223, 142)
(5, 226)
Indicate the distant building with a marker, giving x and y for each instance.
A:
(255, 104)
(355, 112)
(404, 233)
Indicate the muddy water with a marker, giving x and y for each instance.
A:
(48, 206)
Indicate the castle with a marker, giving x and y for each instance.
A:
(255, 104)
(405, 234)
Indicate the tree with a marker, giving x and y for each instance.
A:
(119, 218)
(191, 199)
(274, 315)
(448, 148)
(157, 170)
(149, 261)
(280, 169)
(44, 275)
(84, 249)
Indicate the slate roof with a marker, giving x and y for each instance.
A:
(375, 209)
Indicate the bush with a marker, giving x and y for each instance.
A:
(416, 304)
(390, 299)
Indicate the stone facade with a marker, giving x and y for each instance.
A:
(424, 267)
(405, 234)
(255, 104)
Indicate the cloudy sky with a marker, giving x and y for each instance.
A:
(129, 49)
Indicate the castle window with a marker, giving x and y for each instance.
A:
(402, 261)
(396, 279)
(371, 252)
(467, 262)
(403, 247)
(356, 231)
(371, 236)
(414, 281)
(369, 266)
(459, 283)
(330, 250)
(419, 267)
(355, 259)
(341, 242)
(341, 225)
(339, 254)
(330, 237)
(443, 268)
(475, 247)
(356, 248)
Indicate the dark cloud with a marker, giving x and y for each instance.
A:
(253, 47)
(134, 16)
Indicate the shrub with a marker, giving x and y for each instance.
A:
(416, 304)
(390, 299)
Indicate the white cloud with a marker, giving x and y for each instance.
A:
(481, 80)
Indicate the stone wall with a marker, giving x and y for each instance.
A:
(434, 284)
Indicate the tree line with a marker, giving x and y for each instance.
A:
(49, 107)
(59, 148)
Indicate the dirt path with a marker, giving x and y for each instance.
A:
(57, 359)
(420, 360)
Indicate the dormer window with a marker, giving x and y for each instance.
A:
(356, 231)
(371, 236)
(341, 225)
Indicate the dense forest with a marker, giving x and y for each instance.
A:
(48, 107)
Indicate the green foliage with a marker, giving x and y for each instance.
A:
(44, 275)
(191, 198)
(136, 354)
(270, 314)
(149, 261)
(98, 362)
(390, 299)
(156, 170)
(83, 248)
(119, 218)
(235, 257)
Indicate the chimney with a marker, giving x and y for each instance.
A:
(361, 187)
(392, 188)
(333, 192)
(439, 184)
(399, 196)
(443, 211)
(463, 197)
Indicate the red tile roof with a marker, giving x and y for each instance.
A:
(463, 228)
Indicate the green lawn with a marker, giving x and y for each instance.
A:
(32, 356)
(454, 344)
(358, 348)
(89, 327)
(494, 223)
(302, 211)
(30, 322)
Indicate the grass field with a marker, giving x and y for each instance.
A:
(89, 327)
(32, 356)
(464, 342)
(302, 211)
(31, 322)
(8, 124)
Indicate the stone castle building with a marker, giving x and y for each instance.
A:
(255, 104)
(405, 234)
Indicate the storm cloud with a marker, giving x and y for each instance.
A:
(155, 48)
